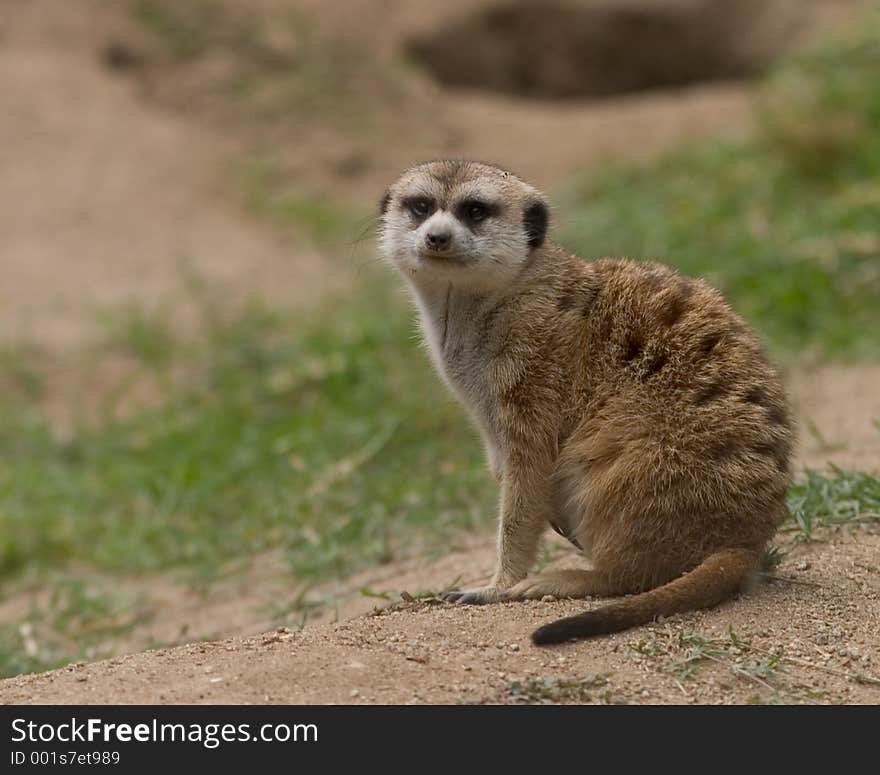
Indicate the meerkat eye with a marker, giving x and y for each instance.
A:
(474, 211)
(419, 206)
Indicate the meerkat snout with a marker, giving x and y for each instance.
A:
(441, 235)
(438, 241)
(620, 402)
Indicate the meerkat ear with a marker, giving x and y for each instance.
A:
(535, 219)
(386, 200)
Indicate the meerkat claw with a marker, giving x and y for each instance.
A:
(474, 596)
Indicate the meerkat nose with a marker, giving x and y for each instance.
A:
(438, 240)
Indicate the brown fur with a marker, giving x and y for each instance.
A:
(633, 408)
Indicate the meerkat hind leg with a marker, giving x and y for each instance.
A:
(567, 583)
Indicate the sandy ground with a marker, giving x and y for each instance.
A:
(839, 416)
(111, 192)
(107, 197)
(820, 616)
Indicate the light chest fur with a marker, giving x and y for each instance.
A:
(467, 336)
(461, 337)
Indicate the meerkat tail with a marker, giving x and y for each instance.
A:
(718, 577)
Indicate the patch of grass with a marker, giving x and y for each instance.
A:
(772, 559)
(310, 434)
(21, 653)
(76, 620)
(697, 651)
(731, 650)
(798, 259)
(275, 65)
(305, 434)
(822, 500)
(684, 653)
(821, 108)
(687, 652)
(294, 611)
(816, 500)
(139, 332)
(321, 219)
(790, 233)
(19, 371)
(549, 690)
(184, 29)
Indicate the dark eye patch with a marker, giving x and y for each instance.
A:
(474, 211)
(420, 207)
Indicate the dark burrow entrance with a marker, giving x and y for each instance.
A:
(562, 49)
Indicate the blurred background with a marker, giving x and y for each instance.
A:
(214, 416)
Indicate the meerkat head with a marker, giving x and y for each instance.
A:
(467, 223)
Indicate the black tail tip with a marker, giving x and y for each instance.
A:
(586, 625)
(550, 634)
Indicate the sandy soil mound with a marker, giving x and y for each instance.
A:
(812, 637)
(838, 411)
(104, 198)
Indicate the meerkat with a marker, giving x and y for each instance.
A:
(620, 402)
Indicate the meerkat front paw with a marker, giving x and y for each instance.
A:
(478, 596)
